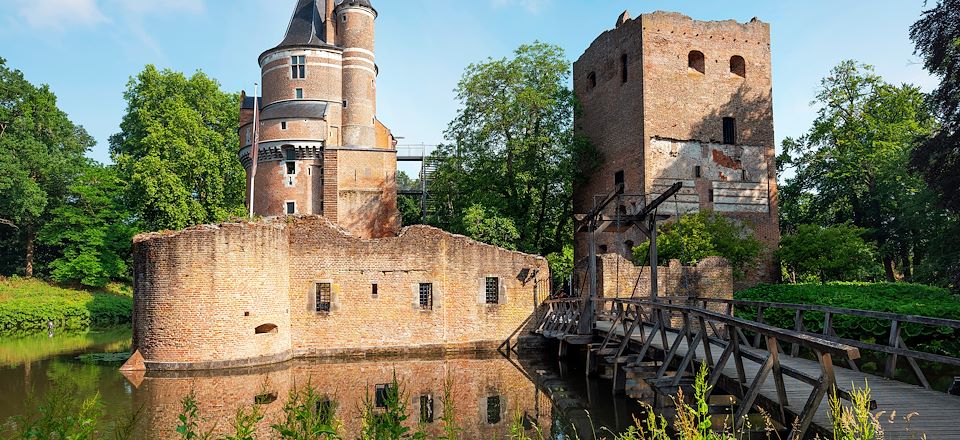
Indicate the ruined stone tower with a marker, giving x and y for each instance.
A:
(667, 98)
(322, 150)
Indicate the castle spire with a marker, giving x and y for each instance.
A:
(307, 25)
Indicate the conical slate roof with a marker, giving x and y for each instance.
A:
(306, 25)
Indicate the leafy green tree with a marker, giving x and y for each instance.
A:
(93, 230)
(512, 155)
(849, 166)
(42, 154)
(177, 150)
(694, 237)
(834, 253)
(561, 265)
(482, 225)
(937, 36)
(410, 210)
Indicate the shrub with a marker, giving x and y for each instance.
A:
(835, 253)
(705, 234)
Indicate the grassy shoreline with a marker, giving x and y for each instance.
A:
(28, 305)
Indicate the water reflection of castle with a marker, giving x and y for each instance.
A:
(487, 394)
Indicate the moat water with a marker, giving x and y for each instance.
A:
(488, 392)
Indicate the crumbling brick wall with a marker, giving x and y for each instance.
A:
(243, 293)
(660, 121)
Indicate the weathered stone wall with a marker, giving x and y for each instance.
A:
(200, 294)
(455, 265)
(348, 384)
(660, 121)
(618, 277)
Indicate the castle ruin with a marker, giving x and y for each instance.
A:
(670, 99)
(326, 273)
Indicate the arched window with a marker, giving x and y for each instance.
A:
(738, 66)
(696, 62)
(592, 79)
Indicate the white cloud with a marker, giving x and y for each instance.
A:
(58, 15)
(532, 6)
(61, 15)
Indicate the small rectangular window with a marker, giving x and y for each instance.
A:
(299, 93)
(426, 409)
(730, 131)
(291, 168)
(382, 394)
(493, 410)
(291, 208)
(710, 196)
(298, 67)
(618, 180)
(249, 131)
(374, 290)
(324, 296)
(696, 171)
(345, 103)
(493, 290)
(426, 296)
(283, 125)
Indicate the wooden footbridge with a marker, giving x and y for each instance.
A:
(790, 373)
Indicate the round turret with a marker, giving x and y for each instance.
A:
(355, 34)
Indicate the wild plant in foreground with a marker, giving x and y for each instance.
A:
(308, 415)
(387, 421)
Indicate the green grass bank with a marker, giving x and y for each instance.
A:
(27, 305)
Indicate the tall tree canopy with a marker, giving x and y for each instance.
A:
(506, 175)
(42, 153)
(937, 36)
(92, 230)
(177, 150)
(849, 166)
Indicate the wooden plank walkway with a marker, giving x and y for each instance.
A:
(938, 413)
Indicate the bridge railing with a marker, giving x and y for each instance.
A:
(704, 330)
(825, 318)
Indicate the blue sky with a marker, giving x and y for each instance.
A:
(86, 50)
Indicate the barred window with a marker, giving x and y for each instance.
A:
(324, 297)
(291, 208)
(426, 409)
(426, 296)
(382, 394)
(493, 290)
(298, 67)
(493, 410)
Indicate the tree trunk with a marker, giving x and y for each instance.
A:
(905, 265)
(31, 238)
(888, 268)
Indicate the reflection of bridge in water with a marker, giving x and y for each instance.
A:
(487, 394)
(788, 372)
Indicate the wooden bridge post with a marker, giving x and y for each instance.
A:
(895, 343)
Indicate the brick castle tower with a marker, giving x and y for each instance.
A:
(322, 150)
(670, 99)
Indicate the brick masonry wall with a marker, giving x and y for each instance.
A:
(664, 101)
(199, 294)
(347, 384)
(618, 277)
